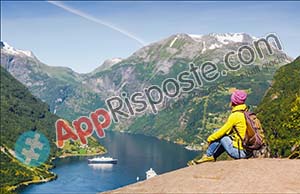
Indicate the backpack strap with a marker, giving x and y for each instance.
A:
(239, 150)
(234, 128)
(241, 139)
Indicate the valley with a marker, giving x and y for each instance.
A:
(185, 110)
(194, 113)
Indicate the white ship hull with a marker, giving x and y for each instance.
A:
(102, 160)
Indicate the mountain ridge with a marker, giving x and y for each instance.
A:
(224, 38)
(70, 96)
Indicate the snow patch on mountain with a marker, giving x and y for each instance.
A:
(13, 51)
(107, 64)
(204, 48)
(215, 40)
(226, 38)
(196, 37)
(115, 60)
(173, 41)
(214, 46)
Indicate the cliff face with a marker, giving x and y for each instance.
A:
(236, 176)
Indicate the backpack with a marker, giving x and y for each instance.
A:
(254, 136)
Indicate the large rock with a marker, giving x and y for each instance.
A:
(236, 176)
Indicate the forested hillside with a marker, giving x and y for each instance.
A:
(21, 112)
(280, 111)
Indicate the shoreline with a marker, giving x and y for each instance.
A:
(54, 176)
(27, 183)
(80, 155)
(187, 146)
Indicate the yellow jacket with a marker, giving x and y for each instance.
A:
(236, 119)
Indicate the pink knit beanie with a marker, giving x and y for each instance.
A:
(238, 97)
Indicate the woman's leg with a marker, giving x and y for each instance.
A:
(215, 149)
(235, 153)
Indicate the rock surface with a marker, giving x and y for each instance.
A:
(237, 176)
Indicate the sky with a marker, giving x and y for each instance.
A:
(81, 35)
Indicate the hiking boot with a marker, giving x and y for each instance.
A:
(191, 163)
(205, 158)
(199, 160)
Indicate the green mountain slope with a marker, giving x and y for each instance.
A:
(279, 111)
(21, 112)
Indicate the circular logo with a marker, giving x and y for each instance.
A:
(32, 148)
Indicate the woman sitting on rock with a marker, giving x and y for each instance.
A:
(226, 138)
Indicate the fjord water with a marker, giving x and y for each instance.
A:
(135, 153)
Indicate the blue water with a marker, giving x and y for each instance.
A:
(135, 153)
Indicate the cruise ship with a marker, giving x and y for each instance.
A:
(102, 160)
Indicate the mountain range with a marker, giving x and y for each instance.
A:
(187, 119)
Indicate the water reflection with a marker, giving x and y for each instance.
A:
(101, 166)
